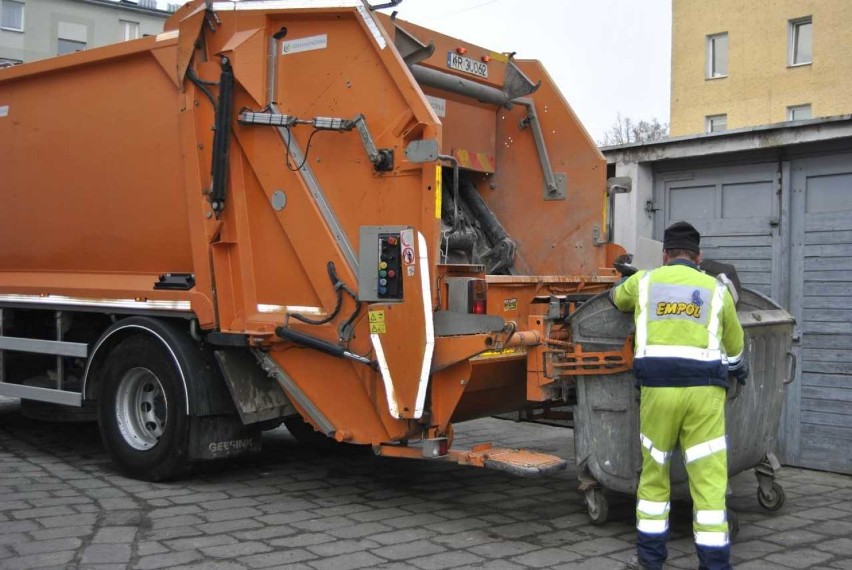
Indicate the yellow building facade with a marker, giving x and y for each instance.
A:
(742, 63)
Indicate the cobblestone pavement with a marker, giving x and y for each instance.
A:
(62, 505)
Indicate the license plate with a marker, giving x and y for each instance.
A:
(462, 63)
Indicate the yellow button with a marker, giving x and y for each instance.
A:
(383, 265)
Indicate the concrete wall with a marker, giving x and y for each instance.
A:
(96, 22)
(760, 85)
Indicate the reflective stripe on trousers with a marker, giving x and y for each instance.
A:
(693, 418)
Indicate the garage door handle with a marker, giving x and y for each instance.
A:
(791, 368)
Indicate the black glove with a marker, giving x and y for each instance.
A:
(623, 264)
(740, 369)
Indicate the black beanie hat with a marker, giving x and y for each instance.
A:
(681, 235)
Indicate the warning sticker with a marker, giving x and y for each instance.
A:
(406, 240)
(505, 353)
(4, 110)
(510, 304)
(377, 322)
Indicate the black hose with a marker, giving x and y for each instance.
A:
(222, 137)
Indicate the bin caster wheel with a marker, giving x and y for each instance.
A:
(733, 524)
(598, 506)
(773, 500)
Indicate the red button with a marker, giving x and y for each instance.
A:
(392, 240)
(391, 273)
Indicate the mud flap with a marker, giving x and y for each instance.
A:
(220, 437)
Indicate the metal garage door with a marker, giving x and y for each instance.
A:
(787, 227)
(819, 412)
(736, 209)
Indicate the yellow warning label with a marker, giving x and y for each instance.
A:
(378, 328)
(377, 317)
(506, 352)
(438, 192)
(510, 304)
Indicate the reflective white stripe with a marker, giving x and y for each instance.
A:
(652, 508)
(710, 517)
(652, 526)
(705, 449)
(715, 310)
(677, 351)
(426, 366)
(711, 539)
(735, 360)
(659, 456)
(393, 407)
(642, 319)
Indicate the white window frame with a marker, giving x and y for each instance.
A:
(792, 109)
(793, 35)
(710, 120)
(711, 56)
(126, 27)
(3, 3)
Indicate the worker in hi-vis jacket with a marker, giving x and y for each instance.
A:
(688, 340)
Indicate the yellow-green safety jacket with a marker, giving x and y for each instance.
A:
(687, 331)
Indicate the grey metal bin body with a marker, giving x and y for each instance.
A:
(606, 417)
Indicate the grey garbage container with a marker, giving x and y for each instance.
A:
(606, 416)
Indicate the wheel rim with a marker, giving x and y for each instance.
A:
(141, 408)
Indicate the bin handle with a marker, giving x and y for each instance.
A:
(791, 368)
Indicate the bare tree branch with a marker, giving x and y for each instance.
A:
(626, 131)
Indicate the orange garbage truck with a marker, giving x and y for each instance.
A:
(295, 211)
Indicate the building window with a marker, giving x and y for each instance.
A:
(69, 46)
(129, 30)
(798, 112)
(716, 123)
(801, 41)
(717, 55)
(12, 15)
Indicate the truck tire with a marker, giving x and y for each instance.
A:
(142, 411)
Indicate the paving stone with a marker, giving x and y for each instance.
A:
(228, 526)
(44, 560)
(347, 562)
(445, 560)
(106, 553)
(838, 546)
(502, 549)
(302, 540)
(231, 514)
(358, 530)
(199, 542)
(278, 559)
(408, 550)
(546, 557)
(238, 549)
(116, 534)
(40, 546)
(167, 560)
(800, 558)
(599, 546)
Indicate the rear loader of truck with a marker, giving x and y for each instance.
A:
(298, 211)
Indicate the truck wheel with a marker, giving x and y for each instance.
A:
(142, 411)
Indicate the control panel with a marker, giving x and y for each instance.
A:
(390, 267)
(385, 256)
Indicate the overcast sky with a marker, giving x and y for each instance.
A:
(607, 56)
